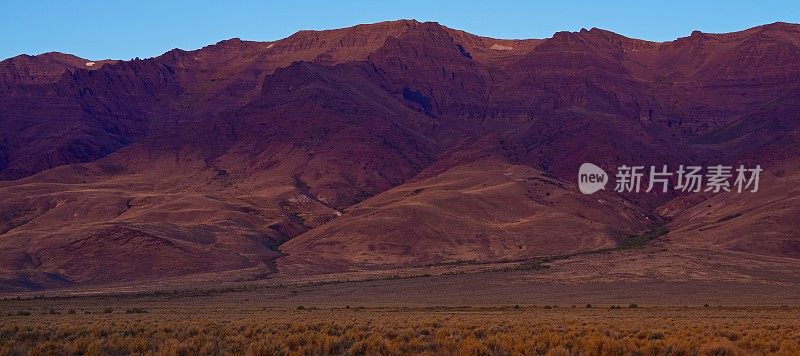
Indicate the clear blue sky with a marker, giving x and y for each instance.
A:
(125, 29)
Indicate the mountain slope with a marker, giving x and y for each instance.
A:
(479, 212)
(759, 223)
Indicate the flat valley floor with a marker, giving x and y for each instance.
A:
(494, 309)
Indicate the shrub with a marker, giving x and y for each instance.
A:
(639, 241)
(533, 265)
(655, 335)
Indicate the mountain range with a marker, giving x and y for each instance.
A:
(390, 145)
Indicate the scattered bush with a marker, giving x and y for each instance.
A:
(437, 330)
(534, 265)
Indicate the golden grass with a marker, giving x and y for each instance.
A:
(467, 331)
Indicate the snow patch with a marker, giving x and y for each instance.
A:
(299, 199)
(499, 47)
(90, 64)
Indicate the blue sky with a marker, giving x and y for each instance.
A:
(126, 29)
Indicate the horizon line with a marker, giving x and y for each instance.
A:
(56, 51)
